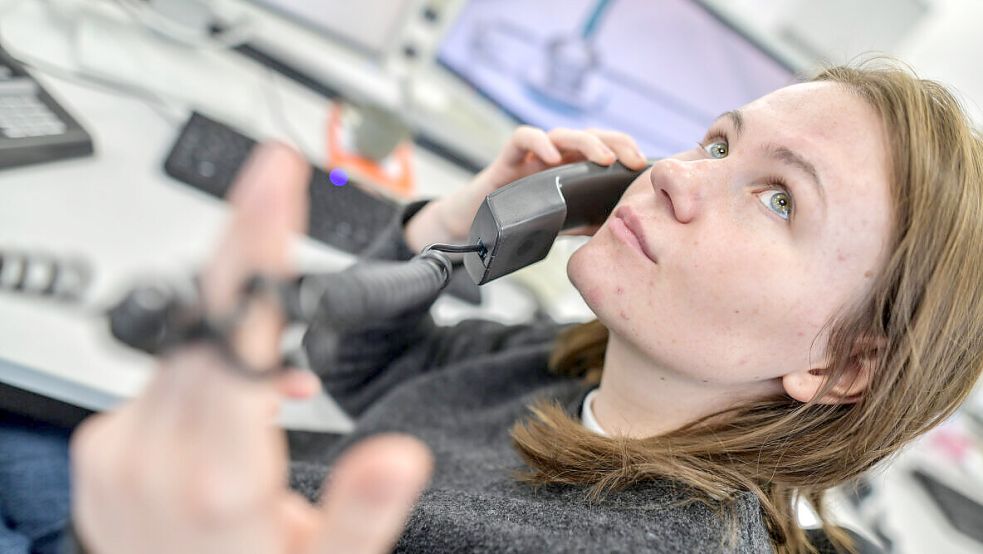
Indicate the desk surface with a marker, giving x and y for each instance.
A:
(119, 211)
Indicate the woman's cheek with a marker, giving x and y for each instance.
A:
(618, 297)
(582, 273)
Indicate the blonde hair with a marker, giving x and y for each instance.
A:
(926, 302)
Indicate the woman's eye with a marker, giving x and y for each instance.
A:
(718, 149)
(778, 201)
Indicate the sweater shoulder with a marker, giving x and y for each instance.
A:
(655, 520)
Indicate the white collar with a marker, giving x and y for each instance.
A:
(587, 414)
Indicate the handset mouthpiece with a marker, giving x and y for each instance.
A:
(518, 223)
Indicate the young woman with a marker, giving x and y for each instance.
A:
(779, 309)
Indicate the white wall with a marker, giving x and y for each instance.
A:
(946, 44)
(948, 47)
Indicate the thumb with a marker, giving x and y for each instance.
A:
(370, 493)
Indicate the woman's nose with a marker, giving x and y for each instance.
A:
(678, 184)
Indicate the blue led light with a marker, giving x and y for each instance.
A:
(338, 177)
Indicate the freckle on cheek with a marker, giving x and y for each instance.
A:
(868, 274)
(801, 334)
(737, 311)
(620, 291)
(623, 315)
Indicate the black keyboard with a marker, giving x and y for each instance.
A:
(208, 155)
(34, 128)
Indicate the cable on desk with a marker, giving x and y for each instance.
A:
(232, 35)
(155, 100)
(163, 104)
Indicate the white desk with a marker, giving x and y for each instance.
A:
(119, 211)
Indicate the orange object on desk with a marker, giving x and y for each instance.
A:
(400, 182)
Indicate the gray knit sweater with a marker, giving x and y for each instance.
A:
(459, 389)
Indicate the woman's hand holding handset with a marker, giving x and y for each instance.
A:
(197, 464)
(530, 150)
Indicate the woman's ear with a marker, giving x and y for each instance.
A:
(804, 385)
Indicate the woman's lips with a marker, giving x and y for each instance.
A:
(634, 226)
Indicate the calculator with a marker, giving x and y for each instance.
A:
(34, 128)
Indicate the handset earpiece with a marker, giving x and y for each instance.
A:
(517, 224)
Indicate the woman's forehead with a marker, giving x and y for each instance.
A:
(827, 124)
(822, 109)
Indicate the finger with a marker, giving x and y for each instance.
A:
(154, 423)
(91, 467)
(223, 422)
(301, 520)
(236, 456)
(370, 494)
(98, 452)
(269, 204)
(200, 440)
(92, 463)
(527, 139)
(590, 146)
(623, 145)
(298, 384)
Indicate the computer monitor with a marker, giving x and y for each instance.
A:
(659, 71)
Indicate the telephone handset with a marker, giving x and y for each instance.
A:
(517, 224)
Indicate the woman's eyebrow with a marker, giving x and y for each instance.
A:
(737, 118)
(789, 157)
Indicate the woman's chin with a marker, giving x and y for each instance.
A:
(584, 274)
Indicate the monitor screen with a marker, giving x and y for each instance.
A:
(368, 25)
(659, 71)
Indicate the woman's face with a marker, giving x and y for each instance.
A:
(762, 232)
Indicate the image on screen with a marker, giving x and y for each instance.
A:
(659, 71)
